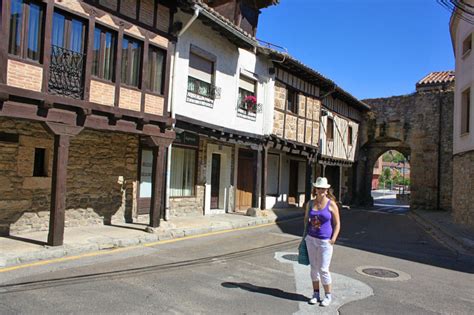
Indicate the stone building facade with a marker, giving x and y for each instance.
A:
(462, 37)
(77, 110)
(420, 127)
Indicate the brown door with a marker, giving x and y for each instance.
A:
(293, 189)
(245, 180)
(215, 180)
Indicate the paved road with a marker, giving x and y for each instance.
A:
(252, 272)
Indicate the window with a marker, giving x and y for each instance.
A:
(200, 75)
(467, 45)
(156, 61)
(131, 61)
(68, 33)
(103, 54)
(291, 101)
(349, 135)
(40, 166)
(183, 174)
(273, 174)
(330, 131)
(26, 29)
(246, 90)
(465, 110)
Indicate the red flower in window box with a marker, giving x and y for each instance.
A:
(251, 103)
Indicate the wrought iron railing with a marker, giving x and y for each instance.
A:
(66, 72)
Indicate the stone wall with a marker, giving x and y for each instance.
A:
(94, 196)
(463, 186)
(419, 126)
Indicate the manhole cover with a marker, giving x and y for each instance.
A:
(379, 272)
(291, 257)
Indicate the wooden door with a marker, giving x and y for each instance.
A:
(293, 189)
(215, 180)
(245, 180)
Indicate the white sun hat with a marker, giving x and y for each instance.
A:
(321, 182)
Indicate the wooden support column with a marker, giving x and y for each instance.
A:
(263, 202)
(5, 33)
(159, 145)
(62, 134)
(118, 64)
(89, 53)
(309, 178)
(257, 177)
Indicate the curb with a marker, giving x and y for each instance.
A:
(108, 243)
(442, 236)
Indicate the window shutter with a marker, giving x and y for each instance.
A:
(247, 84)
(200, 68)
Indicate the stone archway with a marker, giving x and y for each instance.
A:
(419, 126)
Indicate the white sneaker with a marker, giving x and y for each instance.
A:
(315, 299)
(327, 300)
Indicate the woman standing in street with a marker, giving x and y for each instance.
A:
(323, 226)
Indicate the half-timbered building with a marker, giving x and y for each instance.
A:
(84, 124)
(341, 114)
(298, 147)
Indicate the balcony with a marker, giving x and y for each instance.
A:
(202, 93)
(66, 73)
(248, 107)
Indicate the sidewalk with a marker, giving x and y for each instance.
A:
(441, 226)
(30, 247)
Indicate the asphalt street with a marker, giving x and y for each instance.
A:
(253, 271)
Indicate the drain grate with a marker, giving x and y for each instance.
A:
(380, 273)
(290, 257)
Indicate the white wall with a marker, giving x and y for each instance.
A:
(230, 62)
(464, 79)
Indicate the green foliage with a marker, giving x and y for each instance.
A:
(393, 156)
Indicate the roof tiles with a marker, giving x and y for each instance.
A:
(437, 78)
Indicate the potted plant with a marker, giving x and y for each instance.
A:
(250, 103)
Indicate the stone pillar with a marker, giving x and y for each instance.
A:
(62, 134)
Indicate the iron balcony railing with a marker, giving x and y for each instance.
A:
(66, 72)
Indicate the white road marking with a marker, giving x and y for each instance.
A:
(345, 289)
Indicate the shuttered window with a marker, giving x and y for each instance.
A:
(200, 75)
(465, 111)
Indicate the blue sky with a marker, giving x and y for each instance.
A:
(370, 48)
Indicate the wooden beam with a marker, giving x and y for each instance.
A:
(5, 33)
(118, 65)
(167, 88)
(263, 202)
(48, 28)
(308, 180)
(90, 45)
(157, 182)
(257, 177)
(145, 84)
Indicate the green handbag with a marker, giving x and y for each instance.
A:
(303, 257)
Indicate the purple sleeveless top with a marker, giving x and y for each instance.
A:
(320, 222)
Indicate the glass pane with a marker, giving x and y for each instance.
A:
(109, 56)
(16, 13)
(124, 60)
(156, 58)
(77, 35)
(135, 64)
(35, 25)
(57, 37)
(95, 53)
(182, 175)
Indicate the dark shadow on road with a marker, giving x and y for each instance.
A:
(264, 290)
(388, 229)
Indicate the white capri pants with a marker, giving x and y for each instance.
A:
(320, 254)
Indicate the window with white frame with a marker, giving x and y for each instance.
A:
(247, 102)
(465, 110)
(183, 172)
(467, 45)
(330, 129)
(200, 76)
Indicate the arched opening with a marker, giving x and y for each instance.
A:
(391, 179)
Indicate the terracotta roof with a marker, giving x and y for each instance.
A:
(437, 78)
